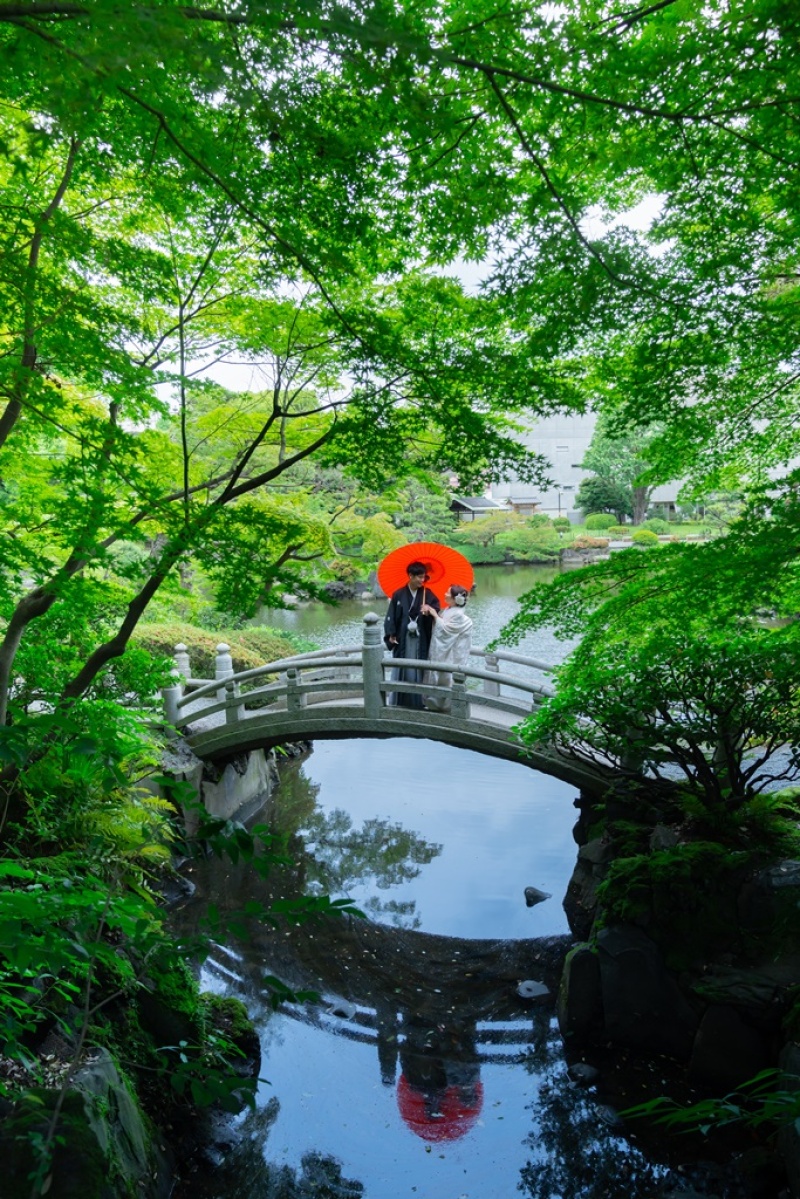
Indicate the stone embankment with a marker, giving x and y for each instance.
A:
(725, 1016)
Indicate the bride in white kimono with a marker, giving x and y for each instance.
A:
(450, 642)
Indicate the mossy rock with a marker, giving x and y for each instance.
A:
(170, 1009)
(685, 897)
(79, 1166)
(229, 1017)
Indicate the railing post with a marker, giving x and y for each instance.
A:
(233, 712)
(342, 672)
(372, 669)
(490, 688)
(295, 700)
(459, 704)
(223, 667)
(171, 695)
(181, 655)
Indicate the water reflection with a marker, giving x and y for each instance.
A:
(341, 857)
(334, 856)
(577, 1151)
(246, 1175)
(421, 1070)
(430, 836)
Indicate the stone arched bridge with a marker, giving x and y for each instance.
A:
(335, 694)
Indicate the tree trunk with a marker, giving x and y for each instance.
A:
(641, 499)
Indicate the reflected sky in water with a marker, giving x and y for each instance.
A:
(414, 1010)
(501, 827)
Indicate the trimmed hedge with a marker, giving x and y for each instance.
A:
(645, 537)
(600, 520)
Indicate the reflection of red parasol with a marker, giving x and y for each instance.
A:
(442, 1116)
(443, 564)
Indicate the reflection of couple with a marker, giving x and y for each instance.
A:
(415, 627)
(439, 1091)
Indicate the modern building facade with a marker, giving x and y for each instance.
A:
(563, 441)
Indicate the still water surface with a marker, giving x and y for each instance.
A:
(420, 1072)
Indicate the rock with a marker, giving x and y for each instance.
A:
(529, 989)
(343, 1009)
(580, 901)
(596, 852)
(785, 874)
(757, 992)
(104, 1149)
(533, 896)
(580, 1006)
(583, 1073)
(114, 1117)
(609, 1116)
(663, 837)
(727, 1051)
(179, 758)
(643, 1007)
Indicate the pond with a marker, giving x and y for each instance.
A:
(421, 1071)
(493, 603)
(430, 1065)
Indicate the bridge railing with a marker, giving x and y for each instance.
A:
(359, 675)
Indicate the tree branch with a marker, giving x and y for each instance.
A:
(541, 168)
(28, 359)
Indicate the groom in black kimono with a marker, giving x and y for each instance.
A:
(405, 609)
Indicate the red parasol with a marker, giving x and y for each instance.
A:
(443, 565)
(442, 1116)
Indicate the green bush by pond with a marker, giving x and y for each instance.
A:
(599, 520)
(250, 647)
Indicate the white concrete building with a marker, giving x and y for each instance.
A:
(563, 440)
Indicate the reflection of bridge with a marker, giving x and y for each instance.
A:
(326, 694)
(436, 1009)
(366, 996)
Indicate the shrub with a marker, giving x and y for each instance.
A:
(272, 644)
(590, 543)
(600, 520)
(346, 570)
(249, 648)
(656, 525)
(619, 531)
(482, 555)
(645, 537)
(562, 523)
(531, 545)
(539, 521)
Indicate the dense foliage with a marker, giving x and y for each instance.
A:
(283, 189)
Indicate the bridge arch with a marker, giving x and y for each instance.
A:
(345, 694)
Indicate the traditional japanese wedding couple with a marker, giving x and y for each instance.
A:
(416, 626)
